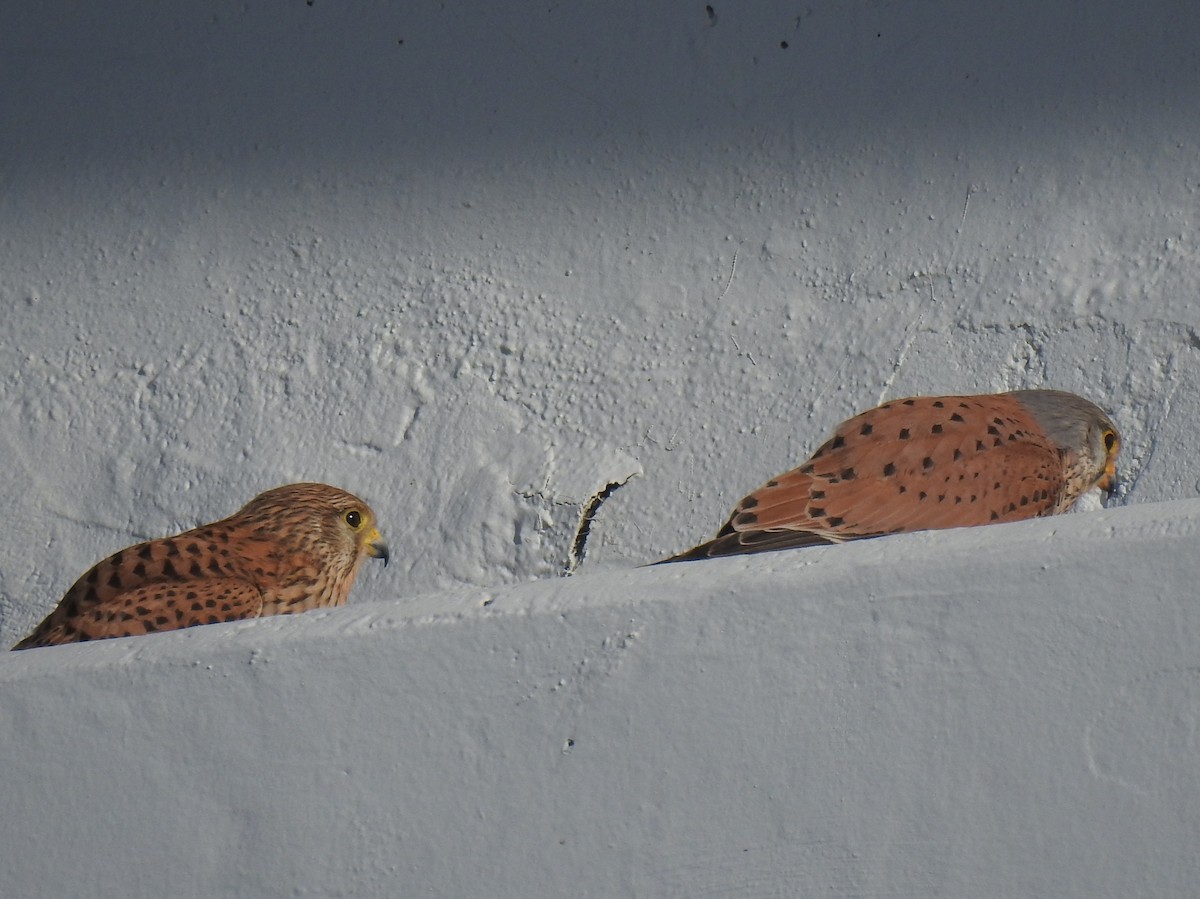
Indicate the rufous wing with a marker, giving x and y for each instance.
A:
(919, 464)
(150, 608)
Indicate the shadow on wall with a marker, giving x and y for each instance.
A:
(245, 86)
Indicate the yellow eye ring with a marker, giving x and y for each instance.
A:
(1110, 440)
(353, 518)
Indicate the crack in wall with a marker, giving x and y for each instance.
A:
(588, 512)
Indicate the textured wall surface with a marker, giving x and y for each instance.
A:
(478, 262)
(484, 264)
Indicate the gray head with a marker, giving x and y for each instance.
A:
(1079, 427)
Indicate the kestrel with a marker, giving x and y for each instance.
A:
(291, 549)
(930, 462)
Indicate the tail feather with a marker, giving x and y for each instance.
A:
(737, 543)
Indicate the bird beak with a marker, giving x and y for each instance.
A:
(1108, 480)
(376, 547)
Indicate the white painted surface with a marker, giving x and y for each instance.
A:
(1005, 711)
(477, 261)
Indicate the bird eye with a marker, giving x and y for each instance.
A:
(353, 518)
(1110, 441)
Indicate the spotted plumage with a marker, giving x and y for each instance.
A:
(930, 462)
(291, 549)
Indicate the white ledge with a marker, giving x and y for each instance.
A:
(1009, 710)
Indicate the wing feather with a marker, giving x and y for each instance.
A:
(150, 608)
(917, 464)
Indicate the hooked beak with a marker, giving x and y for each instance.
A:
(377, 548)
(1108, 480)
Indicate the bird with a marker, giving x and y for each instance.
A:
(290, 549)
(929, 462)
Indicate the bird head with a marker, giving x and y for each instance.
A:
(358, 525)
(1082, 430)
(326, 519)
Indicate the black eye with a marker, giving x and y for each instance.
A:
(1110, 440)
(353, 518)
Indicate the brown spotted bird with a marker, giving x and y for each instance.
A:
(930, 462)
(291, 549)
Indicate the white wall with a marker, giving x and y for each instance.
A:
(476, 262)
(547, 247)
(1004, 711)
